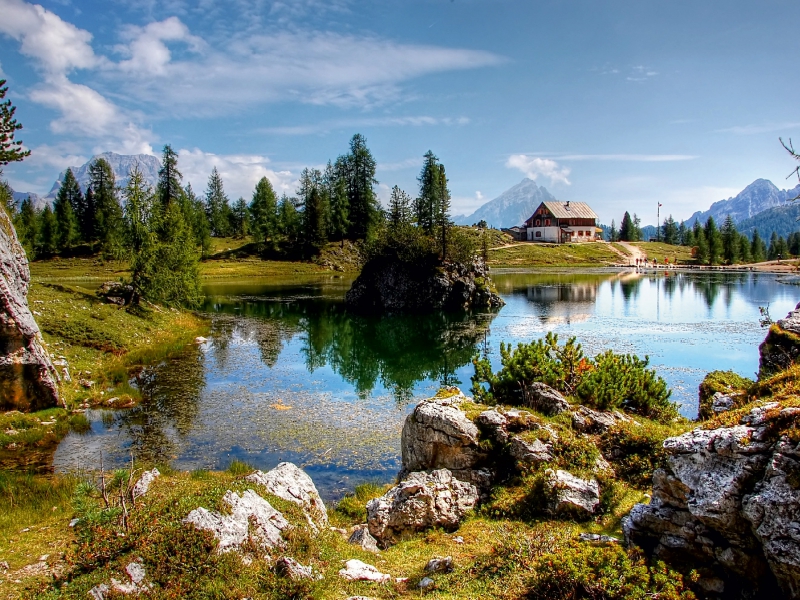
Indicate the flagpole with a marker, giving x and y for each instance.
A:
(658, 222)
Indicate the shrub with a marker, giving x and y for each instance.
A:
(606, 382)
(624, 381)
(354, 506)
(604, 572)
(636, 451)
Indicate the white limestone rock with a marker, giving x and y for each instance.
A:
(289, 482)
(355, 570)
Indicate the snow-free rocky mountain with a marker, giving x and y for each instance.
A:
(511, 207)
(121, 164)
(757, 197)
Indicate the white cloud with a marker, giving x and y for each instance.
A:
(641, 73)
(57, 45)
(535, 167)
(306, 66)
(339, 124)
(408, 163)
(239, 172)
(628, 157)
(146, 47)
(756, 129)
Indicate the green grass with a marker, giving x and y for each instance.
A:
(592, 254)
(660, 250)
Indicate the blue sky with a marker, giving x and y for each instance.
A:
(619, 104)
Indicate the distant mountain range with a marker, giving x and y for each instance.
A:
(121, 164)
(757, 197)
(510, 208)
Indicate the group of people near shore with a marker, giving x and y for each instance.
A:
(644, 263)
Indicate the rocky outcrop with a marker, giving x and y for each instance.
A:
(781, 348)
(438, 435)
(388, 285)
(252, 519)
(728, 505)
(587, 420)
(28, 379)
(289, 482)
(420, 502)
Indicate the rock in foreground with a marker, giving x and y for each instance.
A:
(422, 501)
(728, 505)
(388, 285)
(28, 379)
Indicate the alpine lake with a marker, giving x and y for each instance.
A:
(288, 374)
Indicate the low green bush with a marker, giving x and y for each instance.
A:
(609, 381)
(354, 506)
(603, 573)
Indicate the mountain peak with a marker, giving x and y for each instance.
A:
(757, 197)
(511, 207)
(121, 164)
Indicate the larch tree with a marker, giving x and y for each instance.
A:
(217, 207)
(714, 240)
(169, 177)
(426, 203)
(264, 215)
(11, 149)
(359, 168)
(108, 212)
(67, 229)
(443, 211)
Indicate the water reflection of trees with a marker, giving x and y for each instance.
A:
(395, 351)
(171, 392)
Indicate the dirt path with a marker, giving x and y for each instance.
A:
(636, 253)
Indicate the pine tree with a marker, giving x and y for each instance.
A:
(289, 221)
(315, 211)
(758, 250)
(67, 230)
(108, 216)
(714, 240)
(626, 229)
(10, 149)
(48, 233)
(425, 205)
(169, 177)
(613, 234)
(682, 239)
(340, 209)
(141, 215)
(88, 220)
(443, 211)
(264, 215)
(358, 167)
(700, 243)
(175, 278)
(730, 241)
(744, 249)
(669, 232)
(636, 228)
(399, 208)
(772, 253)
(240, 218)
(194, 212)
(27, 226)
(217, 207)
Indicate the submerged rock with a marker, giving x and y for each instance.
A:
(421, 501)
(28, 379)
(388, 285)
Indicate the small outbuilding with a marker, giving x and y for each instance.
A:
(562, 222)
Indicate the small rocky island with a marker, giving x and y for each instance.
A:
(390, 285)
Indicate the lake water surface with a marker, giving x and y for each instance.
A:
(288, 374)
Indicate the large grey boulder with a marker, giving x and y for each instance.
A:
(438, 435)
(421, 501)
(781, 346)
(529, 453)
(728, 504)
(289, 482)
(251, 519)
(28, 379)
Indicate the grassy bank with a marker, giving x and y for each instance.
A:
(681, 255)
(594, 254)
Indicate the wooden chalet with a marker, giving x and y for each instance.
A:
(563, 222)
